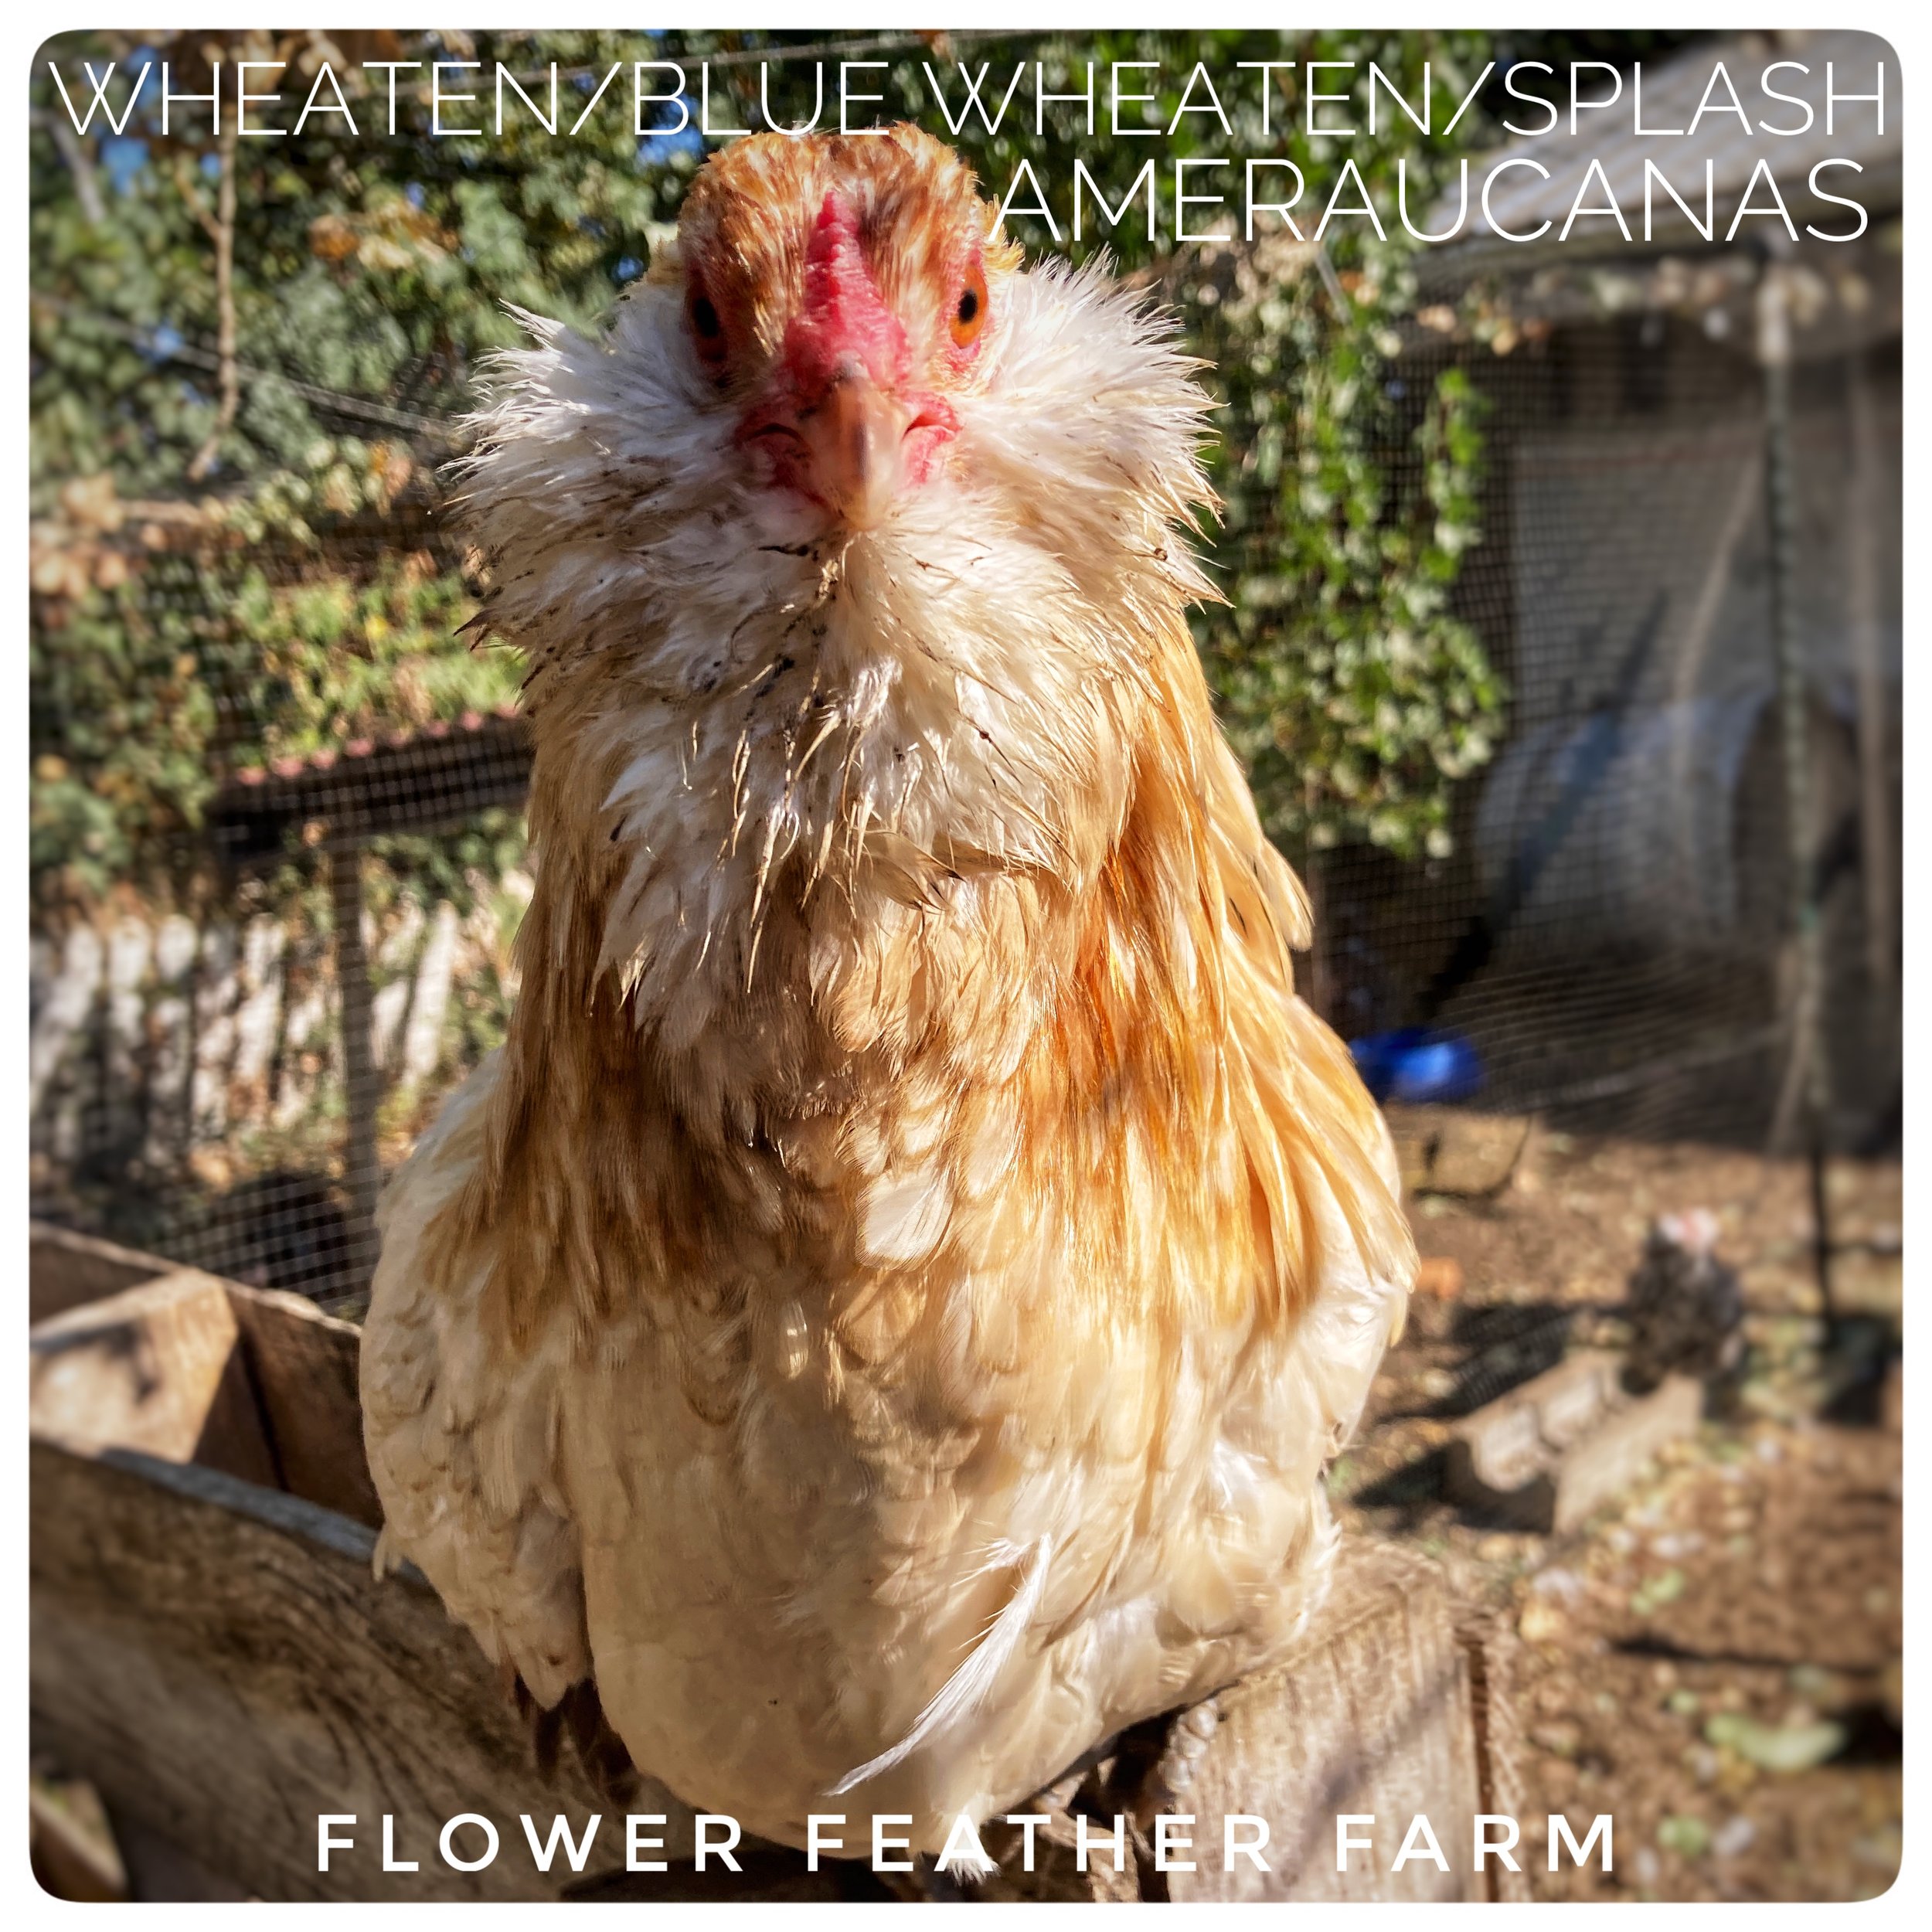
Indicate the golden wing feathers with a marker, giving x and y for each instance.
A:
(461, 1439)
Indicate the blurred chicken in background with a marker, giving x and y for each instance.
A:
(1686, 1307)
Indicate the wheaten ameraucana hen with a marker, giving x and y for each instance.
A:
(884, 1313)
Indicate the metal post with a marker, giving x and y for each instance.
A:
(1806, 1096)
(1862, 568)
(361, 1172)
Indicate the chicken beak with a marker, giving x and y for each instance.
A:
(854, 437)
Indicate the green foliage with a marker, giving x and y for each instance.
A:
(312, 593)
(1355, 694)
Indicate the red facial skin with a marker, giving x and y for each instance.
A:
(843, 419)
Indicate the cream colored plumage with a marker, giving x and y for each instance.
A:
(886, 1309)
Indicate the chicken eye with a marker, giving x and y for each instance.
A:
(969, 312)
(706, 329)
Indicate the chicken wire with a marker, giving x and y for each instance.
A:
(1609, 943)
(1612, 936)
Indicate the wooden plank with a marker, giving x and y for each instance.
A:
(219, 1661)
(1613, 1455)
(1370, 1714)
(1548, 1453)
(1451, 1150)
(154, 1369)
(1490, 1643)
(65, 1268)
(303, 1365)
(291, 1412)
(1389, 1706)
(214, 1653)
(72, 1858)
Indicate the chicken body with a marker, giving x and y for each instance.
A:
(886, 1310)
(1686, 1306)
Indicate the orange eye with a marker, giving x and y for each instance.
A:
(969, 310)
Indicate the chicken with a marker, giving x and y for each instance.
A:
(884, 1312)
(1686, 1306)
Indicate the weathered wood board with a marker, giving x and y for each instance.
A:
(210, 1649)
(1372, 1716)
(217, 1659)
(64, 1270)
(1390, 1706)
(303, 1367)
(1451, 1150)
(157, 1369)
(1551, 1451)
(69, 1856)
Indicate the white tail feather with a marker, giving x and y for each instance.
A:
(962, 1693)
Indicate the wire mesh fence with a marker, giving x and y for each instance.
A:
(230, 1051)
(1615, 935)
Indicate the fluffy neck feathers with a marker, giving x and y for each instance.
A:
(744, 728)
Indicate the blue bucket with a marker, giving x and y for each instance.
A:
(1417, 1065)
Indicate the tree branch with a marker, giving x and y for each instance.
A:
(80, 165)
(220, 227)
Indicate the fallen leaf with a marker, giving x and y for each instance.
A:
(1776, 1747)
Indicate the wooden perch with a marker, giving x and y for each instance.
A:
(1561, 1445)
(211, 1650)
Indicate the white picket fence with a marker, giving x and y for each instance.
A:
(163, 1039)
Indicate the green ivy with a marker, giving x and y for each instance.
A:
(318, 596)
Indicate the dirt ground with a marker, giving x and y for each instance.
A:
(1714, 1659)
